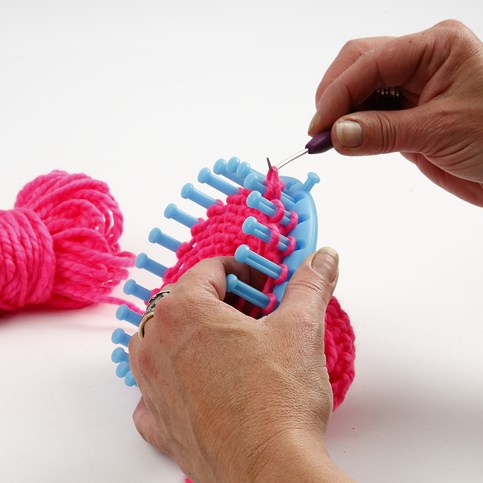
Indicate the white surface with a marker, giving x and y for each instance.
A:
(142, 95)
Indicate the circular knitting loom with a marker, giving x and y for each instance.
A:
(267, 222)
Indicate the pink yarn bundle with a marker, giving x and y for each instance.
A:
(59, 245)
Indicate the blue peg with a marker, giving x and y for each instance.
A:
(157, 236)
(122, 369)
(129, 379)
(206, 176)
(244, 169)
(247, 292)
(243, 254)
(312, 180)
(133, 288)
(119, 355)
(143, 261)
(120, 337)
(252, 182)
(228, 170)
(172, 211)
(257, 201)
(251, 226)
(125, 313)
(233, 164)
(189, 192)
(220, 167)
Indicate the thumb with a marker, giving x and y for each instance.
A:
(377, 132)
(312, 285)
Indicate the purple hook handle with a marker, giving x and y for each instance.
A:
(320, 143)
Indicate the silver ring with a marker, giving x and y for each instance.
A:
(149, 313)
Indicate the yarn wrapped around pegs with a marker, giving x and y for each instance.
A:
(59, 245)
(267, 222)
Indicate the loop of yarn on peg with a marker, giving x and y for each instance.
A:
(59, 246)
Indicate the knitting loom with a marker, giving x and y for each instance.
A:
(266, 222)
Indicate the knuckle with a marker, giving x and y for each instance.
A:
(353, 47)
(450, 32)
(192, 297)
(165, 307)
(316, 289)
(179, 309)
(144, 361)
(451, 24)
(386, 133)
(356, 48)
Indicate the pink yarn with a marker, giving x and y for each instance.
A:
(59, 245)
(220, 234)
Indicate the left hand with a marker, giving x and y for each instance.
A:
(231, 398)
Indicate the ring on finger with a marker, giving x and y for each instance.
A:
(149, 313)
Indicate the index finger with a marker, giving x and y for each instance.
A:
(208, 277)
(349, 53)
(406, 62)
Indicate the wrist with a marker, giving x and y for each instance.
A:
(300, 456)
(294, 455)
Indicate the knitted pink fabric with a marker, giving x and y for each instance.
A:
(59, 245)
(220, 234)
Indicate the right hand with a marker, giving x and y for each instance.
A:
(440, 129)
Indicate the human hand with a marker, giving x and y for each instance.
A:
(231, 398)
(440, 75)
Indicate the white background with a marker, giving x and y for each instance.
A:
(144, 94)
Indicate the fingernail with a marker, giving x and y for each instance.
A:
(326, 262)
(312, 123)
(349, 133)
